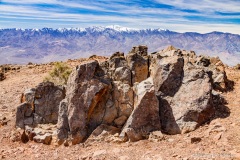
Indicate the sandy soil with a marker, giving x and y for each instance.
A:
(219, 139)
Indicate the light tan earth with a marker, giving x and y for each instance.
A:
(220, 139)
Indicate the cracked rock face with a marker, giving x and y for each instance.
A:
(87, 95)
(40, 105)
(145, 116)
(46, 102)
(170, 91)
(138, 65)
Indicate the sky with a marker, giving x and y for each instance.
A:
(201, 16)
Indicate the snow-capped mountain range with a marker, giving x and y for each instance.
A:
(47, 44)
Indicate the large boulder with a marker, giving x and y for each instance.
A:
(39, 105)
(46, 102)
(87, 95)
(181, 109)
(216, 69)
(191, 105)
(123, 97)
(145, 116)
(167, 73)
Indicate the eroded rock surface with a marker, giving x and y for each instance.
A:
(145, 116)
(46, 102)
(171, 91)
(87, 95)
(40, 105)
(138, 62)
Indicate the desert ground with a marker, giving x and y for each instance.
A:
(217, 139)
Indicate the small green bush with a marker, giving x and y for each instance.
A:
(59, 74)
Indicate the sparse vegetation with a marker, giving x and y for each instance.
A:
(59, 74)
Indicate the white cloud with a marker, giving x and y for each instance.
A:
(205, 5)
(130, 16)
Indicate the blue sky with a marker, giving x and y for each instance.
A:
(178, 15)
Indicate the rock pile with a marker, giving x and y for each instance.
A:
(170, 91)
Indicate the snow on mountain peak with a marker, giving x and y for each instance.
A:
(121, 28)
(115, 28)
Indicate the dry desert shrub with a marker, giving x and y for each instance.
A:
(59, 74)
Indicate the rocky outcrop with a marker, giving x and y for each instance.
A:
(184, 84)
(145, 116)
(39, 105)
(135, 96)
(186, 110)
(87, 94)
(46, 102)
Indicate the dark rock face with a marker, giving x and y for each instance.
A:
(173, 91)
(145, 116)
(24, 115)
(39, 105)
(46, 103)
(184, 84)
(87, 95)
(118, 68)
(138, 62)
(186, 110)
(167, 75)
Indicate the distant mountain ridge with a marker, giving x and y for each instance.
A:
(47, 44)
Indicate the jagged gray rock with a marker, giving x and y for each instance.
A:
(119, 69)
(24, 115)
(46, 102)
(39, 105)
(87, 94)
(62, 125)
(145, 116)
(167, 74)
(138, 62)
(123, 98)
(181, 110)
(171, 91)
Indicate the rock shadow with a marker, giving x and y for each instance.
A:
(168, 89)
(168, 122)
(221, 110)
